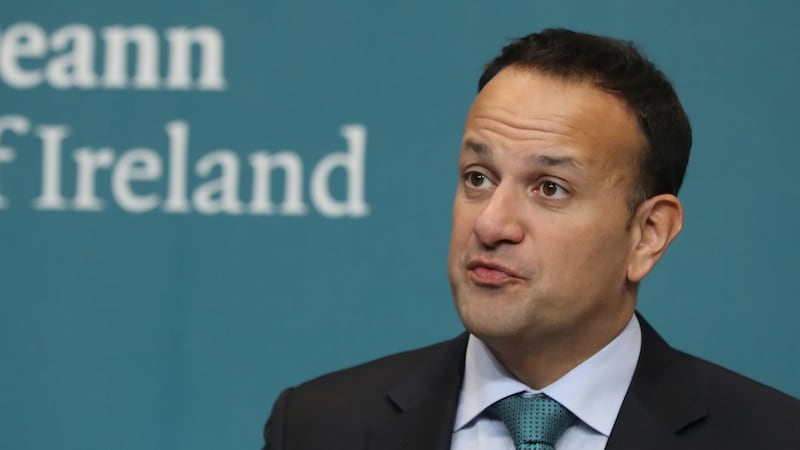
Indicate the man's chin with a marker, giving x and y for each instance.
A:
(489, 328)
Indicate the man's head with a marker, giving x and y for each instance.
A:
(554, 224)
(618, 68)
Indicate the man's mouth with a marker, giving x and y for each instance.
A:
(491, 273)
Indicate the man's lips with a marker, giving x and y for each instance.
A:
(491, 273)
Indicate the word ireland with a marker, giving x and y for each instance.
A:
(141, 179)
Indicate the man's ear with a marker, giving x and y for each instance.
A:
(655, 224)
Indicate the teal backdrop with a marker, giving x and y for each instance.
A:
(203, 202)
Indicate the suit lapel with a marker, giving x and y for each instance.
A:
(661, 401)
(426, 402)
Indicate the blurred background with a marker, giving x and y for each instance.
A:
(204, 202)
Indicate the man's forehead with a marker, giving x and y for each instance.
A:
(521, 104)
(516, 80)
(544, 158)
(524, 86)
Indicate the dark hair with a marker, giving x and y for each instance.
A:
(619, 68)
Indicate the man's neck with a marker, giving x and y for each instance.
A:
(538, 361)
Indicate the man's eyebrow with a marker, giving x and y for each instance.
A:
(554, 161)
(478, 148)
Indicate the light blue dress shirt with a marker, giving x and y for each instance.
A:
(593, 391)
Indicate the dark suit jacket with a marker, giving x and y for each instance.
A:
(408, 401)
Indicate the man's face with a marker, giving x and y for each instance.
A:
(540, 244)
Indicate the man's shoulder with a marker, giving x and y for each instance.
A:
(383, 373)
(670, 375)
(741, 410)
(722, 386)
(662, 367)
(346, 403)
(691, 403)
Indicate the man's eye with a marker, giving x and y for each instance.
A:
(551, 190)
(476, 180)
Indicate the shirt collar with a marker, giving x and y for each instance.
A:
(593, 390)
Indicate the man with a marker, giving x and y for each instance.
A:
(573, 154)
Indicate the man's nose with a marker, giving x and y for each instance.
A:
(499, 222)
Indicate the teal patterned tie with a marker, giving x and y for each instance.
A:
(535, 423)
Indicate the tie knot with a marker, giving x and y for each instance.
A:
(535, 423)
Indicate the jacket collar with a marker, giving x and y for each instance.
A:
(426, 402)
(663, 399)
